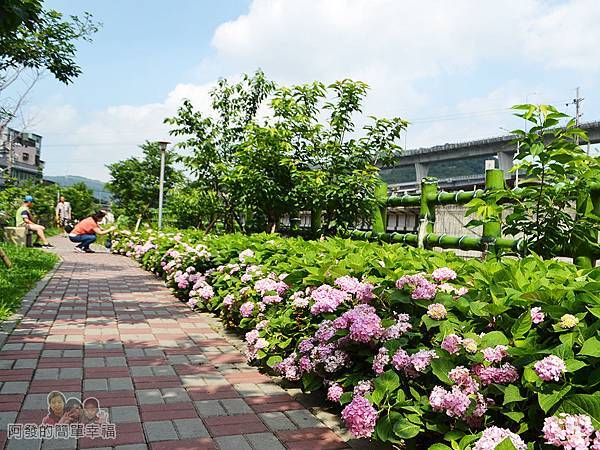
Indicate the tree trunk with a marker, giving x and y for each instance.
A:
(5, 259)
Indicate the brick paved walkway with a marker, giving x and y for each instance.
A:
(104, 328)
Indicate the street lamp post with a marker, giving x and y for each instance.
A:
(163, 150)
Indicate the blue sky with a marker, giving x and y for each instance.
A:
(451, 68)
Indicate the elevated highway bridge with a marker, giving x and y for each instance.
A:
(420, 162)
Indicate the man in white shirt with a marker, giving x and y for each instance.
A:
(63, 213)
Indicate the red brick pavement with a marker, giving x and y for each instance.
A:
(104, 328)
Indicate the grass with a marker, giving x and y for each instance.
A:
(29, 266)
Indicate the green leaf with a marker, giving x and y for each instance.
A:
(346, 398)
(405, 429)
(506, 444)
(384, 429)
(493, 338)
(588, 404)
(311, 382)
(440, 368)
(591, 347)
(573, 365)
(439, 446)
(547, 401)
(512, 394)
(388, 381)
(521, 326)
(516, 416)
(274, 360)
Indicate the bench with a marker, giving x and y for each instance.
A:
(18, 236)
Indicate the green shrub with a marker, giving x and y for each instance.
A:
(420, 349)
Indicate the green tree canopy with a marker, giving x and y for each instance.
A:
(303, 152)
(135, 181)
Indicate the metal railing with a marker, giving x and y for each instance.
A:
(491, 240)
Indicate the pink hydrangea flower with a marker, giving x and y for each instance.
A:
(360, 417)
(365, 292)
(251, 336)
(571, 432)
(452, 343)
(348, 284)
(269, 299)
(288, 368)
(270, 285)
(493, 436)
(505, 374)
(246, 278)
(192, 302)
(422, 359)
(246, 309)
(437, 311)
(422, 288)
(381, 360)
(362, 388)
(246, 254)
(228, 300)
(206, 292)
(327, 299)
(334, 393)
(495, 354)
(300, 302)
(443, 274)
(550, 368)
(401, 361)
(454, 403)
(463, 379)
(596, 441)
(537, 316)
(398, 329)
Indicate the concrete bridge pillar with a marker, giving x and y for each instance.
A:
(421, 170)
(505, 163)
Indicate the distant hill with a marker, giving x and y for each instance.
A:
(98, 187)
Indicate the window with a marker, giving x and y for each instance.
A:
(25, 156)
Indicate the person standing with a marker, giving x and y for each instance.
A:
(63, 213)
(85, 232)
(23, 219)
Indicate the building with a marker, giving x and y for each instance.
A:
(20, 155)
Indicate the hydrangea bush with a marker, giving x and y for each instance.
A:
(417, 348)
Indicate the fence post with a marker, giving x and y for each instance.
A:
(582, 255)
(380, 210)
(294, 221)
(494, 180)
(315, 221)
(427, 211)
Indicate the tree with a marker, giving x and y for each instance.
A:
(294, 159)
(552, 210)
(34, 41)
(135, 181)
(215, 138)
(14, 13)
(323, 162)
(81, 198)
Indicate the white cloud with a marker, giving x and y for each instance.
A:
(81, 145)
(399, 47)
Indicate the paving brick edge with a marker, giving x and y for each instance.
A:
(8, 325)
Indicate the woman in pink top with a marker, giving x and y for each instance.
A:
(85, 232)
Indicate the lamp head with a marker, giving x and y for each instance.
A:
(163, 145)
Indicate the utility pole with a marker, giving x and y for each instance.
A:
(577, 102)
(9, 162)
